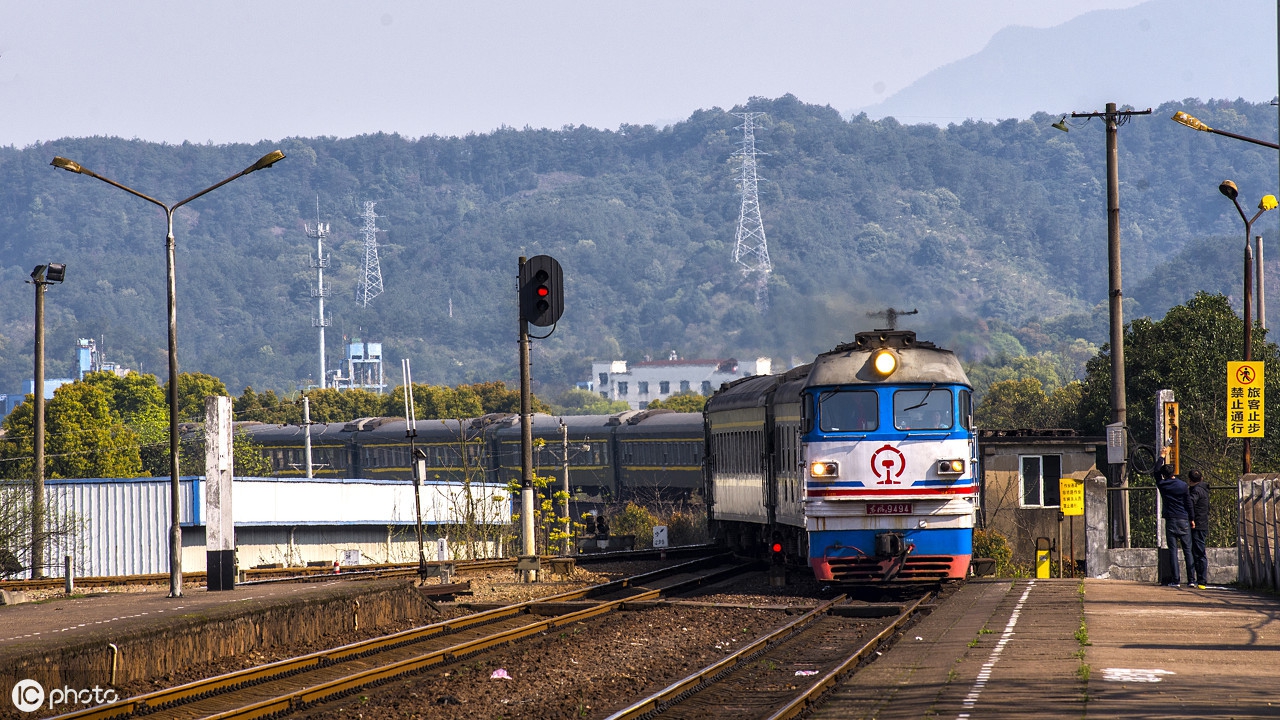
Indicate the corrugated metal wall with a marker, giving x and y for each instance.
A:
(121, 526)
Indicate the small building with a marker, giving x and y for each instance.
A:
(639, 384)
(1019, 471)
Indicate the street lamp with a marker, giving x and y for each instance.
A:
(1268, 202)
(175, 531)
(41, 277)
(1184, 119)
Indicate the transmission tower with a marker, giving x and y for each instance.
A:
(372, 285)
(750, 250)
(320, 292)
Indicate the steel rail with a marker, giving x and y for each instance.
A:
(336, 688)
(385, 569)
(199, 689)
(819, 688)
(681, 689)
(674, 692)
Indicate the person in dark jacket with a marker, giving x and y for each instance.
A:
(1177, 514)
(1199, 526)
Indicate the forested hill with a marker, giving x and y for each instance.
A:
(995, 232)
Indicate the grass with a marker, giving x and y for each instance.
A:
(1082, 634)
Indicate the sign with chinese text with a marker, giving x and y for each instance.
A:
(1245, 399)
(1071, 496)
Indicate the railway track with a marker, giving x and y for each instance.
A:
(298, 683)
(779, 675)
(310, 574)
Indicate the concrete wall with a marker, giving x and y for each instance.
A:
(1139, 564)
(235, 628)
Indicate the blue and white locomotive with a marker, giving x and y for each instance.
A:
(862, 462)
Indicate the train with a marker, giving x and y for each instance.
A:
(646, 455)
(862, 463)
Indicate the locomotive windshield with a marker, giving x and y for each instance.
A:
(922, 409)
(848, 411)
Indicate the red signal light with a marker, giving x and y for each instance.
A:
(543, 291)
(776, 547)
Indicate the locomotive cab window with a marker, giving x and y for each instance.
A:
(848, 411)
(928, 409)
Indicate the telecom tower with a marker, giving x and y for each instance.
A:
(751, 251)
(320, 292)
(372, 285)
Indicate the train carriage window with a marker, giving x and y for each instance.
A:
(848, 411)
(1040, 475)
(923, 409)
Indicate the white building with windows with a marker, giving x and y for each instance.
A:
(639, 384)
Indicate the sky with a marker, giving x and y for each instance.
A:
(242, 71)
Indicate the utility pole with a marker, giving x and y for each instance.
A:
(306, 426)
(1114, 119)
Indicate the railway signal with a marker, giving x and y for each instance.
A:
(541, 291)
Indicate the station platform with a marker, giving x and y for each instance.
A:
(1044, 649)
(112, 639)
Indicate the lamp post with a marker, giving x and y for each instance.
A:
(175, 531)
(1268, 202)
(1195, 124)
(41, 277)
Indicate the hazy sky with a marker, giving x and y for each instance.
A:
(226, 71)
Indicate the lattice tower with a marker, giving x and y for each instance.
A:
(321, 261)
(372, 285)
(750, 249)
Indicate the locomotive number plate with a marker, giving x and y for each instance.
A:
(888, 508)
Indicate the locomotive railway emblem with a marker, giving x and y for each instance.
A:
(887, 464)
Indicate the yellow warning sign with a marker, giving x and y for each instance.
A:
(1246, 399)
(1071, 496)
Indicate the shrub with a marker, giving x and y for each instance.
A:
(992, 544)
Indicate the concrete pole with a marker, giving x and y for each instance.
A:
(1262, 285)
(564, 442)
(1119, 413)
(306, 424)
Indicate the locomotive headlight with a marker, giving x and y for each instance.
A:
(824, 469)
(950, 467)
(885, 361)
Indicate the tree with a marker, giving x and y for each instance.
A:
(1023, 404)
(193, 388)
(142, 405)
(681, 402)
(1187, 351)
(85, 439)
(585, 402)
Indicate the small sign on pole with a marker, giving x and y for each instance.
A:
(659, 536)
(1071, 496)
(1246, 399)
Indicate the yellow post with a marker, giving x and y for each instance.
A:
(1042, 557)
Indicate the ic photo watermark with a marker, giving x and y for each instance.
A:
(29, 695)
